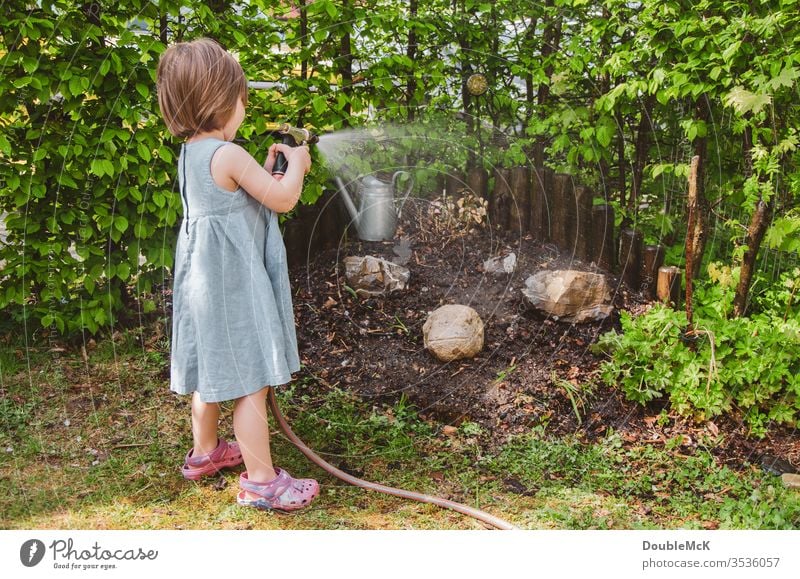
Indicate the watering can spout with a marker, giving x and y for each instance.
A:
(348, 202)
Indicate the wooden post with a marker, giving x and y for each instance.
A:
(583, 223)
(603, 236)
(652, 259)
(519, 207)
(478, 182)
(668, 287)
(630, 257)
(499, 199)
(694, 231)
(563, 203)
(541, 203)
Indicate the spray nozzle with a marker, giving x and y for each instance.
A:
(298, 135)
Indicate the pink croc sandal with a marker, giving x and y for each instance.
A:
(283, 493)
(224, 456)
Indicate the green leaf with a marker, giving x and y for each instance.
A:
(121, 223)
(743, 101)
(319, 105)
(786, 78)
(165, 153)
(97, 167)
(123, 271)
(728, 53)
(5, 146)
(75, 86)
(330, 8)
(143, 89)
(604, 135)
(144, 152)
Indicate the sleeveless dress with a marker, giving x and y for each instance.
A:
(232, 323)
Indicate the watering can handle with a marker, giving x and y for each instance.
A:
(408, 191)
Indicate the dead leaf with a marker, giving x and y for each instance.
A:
(449, 430)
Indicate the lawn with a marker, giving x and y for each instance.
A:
(92, 438)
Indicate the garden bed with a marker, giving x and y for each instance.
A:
(534, 371)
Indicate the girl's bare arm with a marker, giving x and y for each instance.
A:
(233, 163)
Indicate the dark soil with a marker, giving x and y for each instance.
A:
(533, 370)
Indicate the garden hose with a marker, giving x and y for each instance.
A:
(486, 518)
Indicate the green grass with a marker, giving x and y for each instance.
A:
(100, 446)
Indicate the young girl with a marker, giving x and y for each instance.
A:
(233, 330)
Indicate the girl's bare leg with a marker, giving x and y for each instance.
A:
(252, 433)
(205, 419)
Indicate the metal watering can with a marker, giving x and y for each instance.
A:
(376, 217)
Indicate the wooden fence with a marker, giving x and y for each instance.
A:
(550, 207)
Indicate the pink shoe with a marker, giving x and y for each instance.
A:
(283, 493)
(224, 456)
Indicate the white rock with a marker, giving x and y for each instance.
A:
(569, 295)
(453, 332)
(501, 265)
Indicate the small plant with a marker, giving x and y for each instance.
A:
(400, 326)
(468, 428)
(505, 373)
(575, 393)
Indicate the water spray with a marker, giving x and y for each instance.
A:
(294, 137)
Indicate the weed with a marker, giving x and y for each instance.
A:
(505, 373)
(400, 326)
(352, 292)
(575, 393)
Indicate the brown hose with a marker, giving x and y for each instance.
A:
(490, 520)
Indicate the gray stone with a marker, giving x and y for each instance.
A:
(501, 265)
(453, 332)
(569, 295)
(372, 276)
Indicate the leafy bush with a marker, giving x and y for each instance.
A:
(746, 365)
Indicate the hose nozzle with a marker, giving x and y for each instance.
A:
(292, 136)
(300, 136)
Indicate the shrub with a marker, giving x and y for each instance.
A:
(748, 365)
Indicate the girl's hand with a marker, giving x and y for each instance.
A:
(272, 154)
(302, 156)
(293, 155)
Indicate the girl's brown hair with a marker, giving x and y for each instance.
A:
(199, 83)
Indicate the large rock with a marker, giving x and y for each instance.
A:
(372, 276)
(791, 480)
(453, 332)
(569, 295)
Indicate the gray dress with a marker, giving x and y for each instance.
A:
(232, 323)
